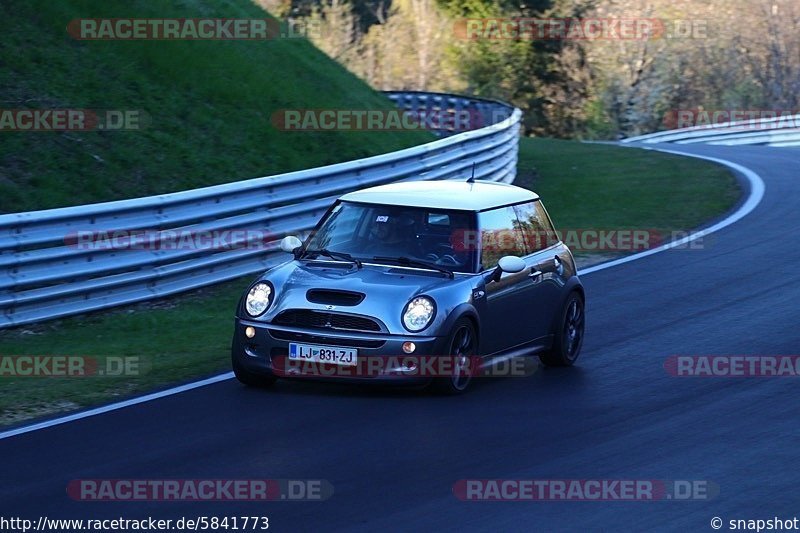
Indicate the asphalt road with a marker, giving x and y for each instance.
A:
(393, 456)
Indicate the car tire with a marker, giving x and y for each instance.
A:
(462, 343)
(568, 334)
(251, 379)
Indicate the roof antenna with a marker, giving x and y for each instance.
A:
(472, 178)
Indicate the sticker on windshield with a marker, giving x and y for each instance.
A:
(382, 218)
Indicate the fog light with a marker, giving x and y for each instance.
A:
(409, 347)
(250, 332)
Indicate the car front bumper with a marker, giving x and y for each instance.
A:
(267, 353)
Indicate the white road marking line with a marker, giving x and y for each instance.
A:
(114, 406)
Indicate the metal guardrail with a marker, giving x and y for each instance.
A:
(46, 273)
(778, 131)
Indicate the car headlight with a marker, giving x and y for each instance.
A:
(418, 313)
(258, 299)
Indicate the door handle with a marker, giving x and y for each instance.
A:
(535, 275)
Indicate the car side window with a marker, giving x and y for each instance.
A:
(535, 226)
(544, 218)
(500, 236)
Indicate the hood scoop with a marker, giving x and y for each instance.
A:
(334, 297)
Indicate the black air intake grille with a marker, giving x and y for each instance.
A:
(333, 297)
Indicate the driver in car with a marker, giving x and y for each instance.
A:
(392, 235)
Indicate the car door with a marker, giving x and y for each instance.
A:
(548, 260)
(514, 302)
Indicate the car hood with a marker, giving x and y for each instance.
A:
(386, 289)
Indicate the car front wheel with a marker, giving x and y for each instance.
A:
(463, 344)
(568, 337)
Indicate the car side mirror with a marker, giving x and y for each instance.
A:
(510, 264)
(290, 243)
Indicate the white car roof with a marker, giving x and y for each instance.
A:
(457, 195)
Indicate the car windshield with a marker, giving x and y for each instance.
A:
(407, 234)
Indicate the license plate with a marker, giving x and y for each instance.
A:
(323, 354)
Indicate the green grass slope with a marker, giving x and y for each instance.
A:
(602, 186)
(209, 103)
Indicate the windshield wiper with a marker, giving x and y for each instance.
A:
(333, 255)
(407, 261)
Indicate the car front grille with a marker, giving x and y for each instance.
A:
(322, 339)
(307, 318)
